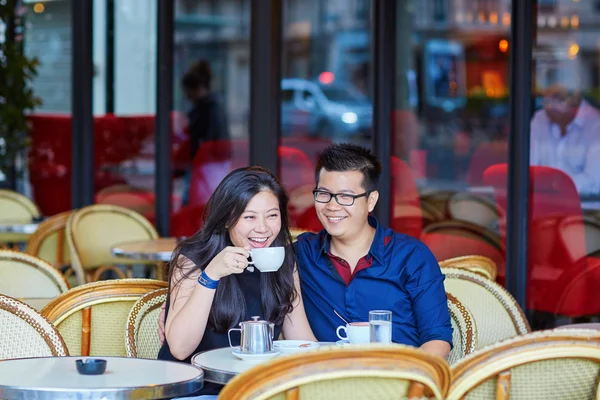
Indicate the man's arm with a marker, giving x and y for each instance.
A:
(437, 347)
(588, 181)
(430, 303)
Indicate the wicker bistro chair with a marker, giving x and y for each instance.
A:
(48, 241)
(29, 278)
(345, 372)
(497, 314)
(141, 334)
(91, 317)
(549, 365)
(14, 207)
(476, 209)
(25, 333)
(481, 265)
(93, 231)
(464, 330)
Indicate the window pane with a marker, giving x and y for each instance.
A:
(48, 38)
(211, 100)
(450, 126)
(564, 225)
(326, 60)
(125, 104)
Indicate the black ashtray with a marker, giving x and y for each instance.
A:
(91, 366)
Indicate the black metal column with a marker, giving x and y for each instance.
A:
(82, 153)
(164, 105)
(517, 230)
(110, 56)
(265, 82)
(384, 60)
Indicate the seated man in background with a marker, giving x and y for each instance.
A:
(356, 265)
(565, 134)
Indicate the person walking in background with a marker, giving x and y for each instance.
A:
(207, 118)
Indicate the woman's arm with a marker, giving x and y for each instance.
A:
(189, 309)
(295, 325)
(191, 302)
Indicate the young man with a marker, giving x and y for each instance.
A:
(355, 265)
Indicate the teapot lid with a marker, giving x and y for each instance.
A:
(255, 320)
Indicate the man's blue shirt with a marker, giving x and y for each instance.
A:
(404, 277)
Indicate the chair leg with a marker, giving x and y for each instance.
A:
(503, 386)
(292, 394)
(86, 330)
(416, 390)
(95, 275)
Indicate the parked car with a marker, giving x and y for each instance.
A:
(337, 110)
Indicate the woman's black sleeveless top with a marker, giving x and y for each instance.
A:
(250, 285)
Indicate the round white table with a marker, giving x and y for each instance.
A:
(125, 378)
(220, 365)
(18, 227)
(147, 250)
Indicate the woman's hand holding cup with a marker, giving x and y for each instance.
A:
(231, 260)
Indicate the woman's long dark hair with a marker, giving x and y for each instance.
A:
(223, 210)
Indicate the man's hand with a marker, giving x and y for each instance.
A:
(161, 323)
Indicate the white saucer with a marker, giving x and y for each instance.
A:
(254, 358)
(294, 346)
(346, 342)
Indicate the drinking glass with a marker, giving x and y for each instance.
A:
(380, 326)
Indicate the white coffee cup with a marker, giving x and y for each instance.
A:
(356, 332)
(268, 259)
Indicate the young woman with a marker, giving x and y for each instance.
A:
(210, 288)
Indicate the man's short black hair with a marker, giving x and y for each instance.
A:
(350, 157)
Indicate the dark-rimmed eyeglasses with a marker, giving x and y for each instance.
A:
(343, 199)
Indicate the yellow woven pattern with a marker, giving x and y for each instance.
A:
(142, 334)
(464, 331)
(25, 333)
(23, 275)
(16, 207)
(351, 388)
(70, 330)
(96, 229)
(108, 336)
(47, 249)
(43, 243)
(549, 380)
(496, 314)
(110, 303)
(331, 372)
(553, 364)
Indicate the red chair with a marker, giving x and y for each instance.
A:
(407, 217)
(212, 162)
(50, 162)
(187, 221)
(311, 146)
(454, 238)
(553, 269)
(486, 155)
(215, 159)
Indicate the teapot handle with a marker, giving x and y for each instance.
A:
(229, 337)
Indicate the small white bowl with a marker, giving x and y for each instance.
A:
(294, 346)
